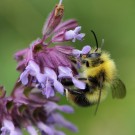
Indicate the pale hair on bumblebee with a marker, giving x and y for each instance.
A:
(99, 73)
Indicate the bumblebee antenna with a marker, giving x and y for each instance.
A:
(95, 39)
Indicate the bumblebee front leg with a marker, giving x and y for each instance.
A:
(82, 79)
(73, 91)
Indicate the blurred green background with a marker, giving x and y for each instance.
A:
(21, 22)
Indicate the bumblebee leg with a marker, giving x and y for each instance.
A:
(101, 78)
(67, 82)
(82, 79)
(74, 92)
(78, 97)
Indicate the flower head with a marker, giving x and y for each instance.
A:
(33, 104)
(29, 110)
(42, 67)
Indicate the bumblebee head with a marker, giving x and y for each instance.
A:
(94, 57)
(91, 59)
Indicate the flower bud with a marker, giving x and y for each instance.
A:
(53, 20)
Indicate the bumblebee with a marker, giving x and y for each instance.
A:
(100, 74)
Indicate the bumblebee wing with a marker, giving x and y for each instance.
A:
(118, 89)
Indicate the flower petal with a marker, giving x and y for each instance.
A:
(31, 130)
(59, 119)
(17, 131)
(8, 128)
(76, 52)
(33, 66)
(66, 108)
(59, 132)
(50, 73)
(74, 34)
(67, 25)
(77, 29)
(24, 77)
(45, 128)
(74, 39)
(58, 86)
(64, 72)
(20, 54)
(41, 77)
(48, 90)
(69, 35)
(59, 37)
(52, 106)
(80, 36)
(79, 84)
(86, 49)
(8, 124)
(64, 49)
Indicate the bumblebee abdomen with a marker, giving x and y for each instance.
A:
(82, 101)
(93, 97)
(85, 98)
(78, 98)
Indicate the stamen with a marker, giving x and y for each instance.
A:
(60, 2)
(59, 9)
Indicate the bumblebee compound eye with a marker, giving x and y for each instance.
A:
(94, 55)
(85, 62)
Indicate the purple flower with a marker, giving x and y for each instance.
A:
(46, 81)
(43, 65)
(52, 106)
(74, 34)
(51, 80)
(59, 119)
(53, 19)
(20, 57)
(33, 70)
(66, 72)
(61, 29)
(31, 130)
(33, 104)
(59, 37)
(45, 56)
(30, 110)
(25, 55)
(9, 128)
(85, 50)
(46, 129)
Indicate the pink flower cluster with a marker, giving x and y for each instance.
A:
(33, 103)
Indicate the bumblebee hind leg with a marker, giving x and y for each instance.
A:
(78, 97)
